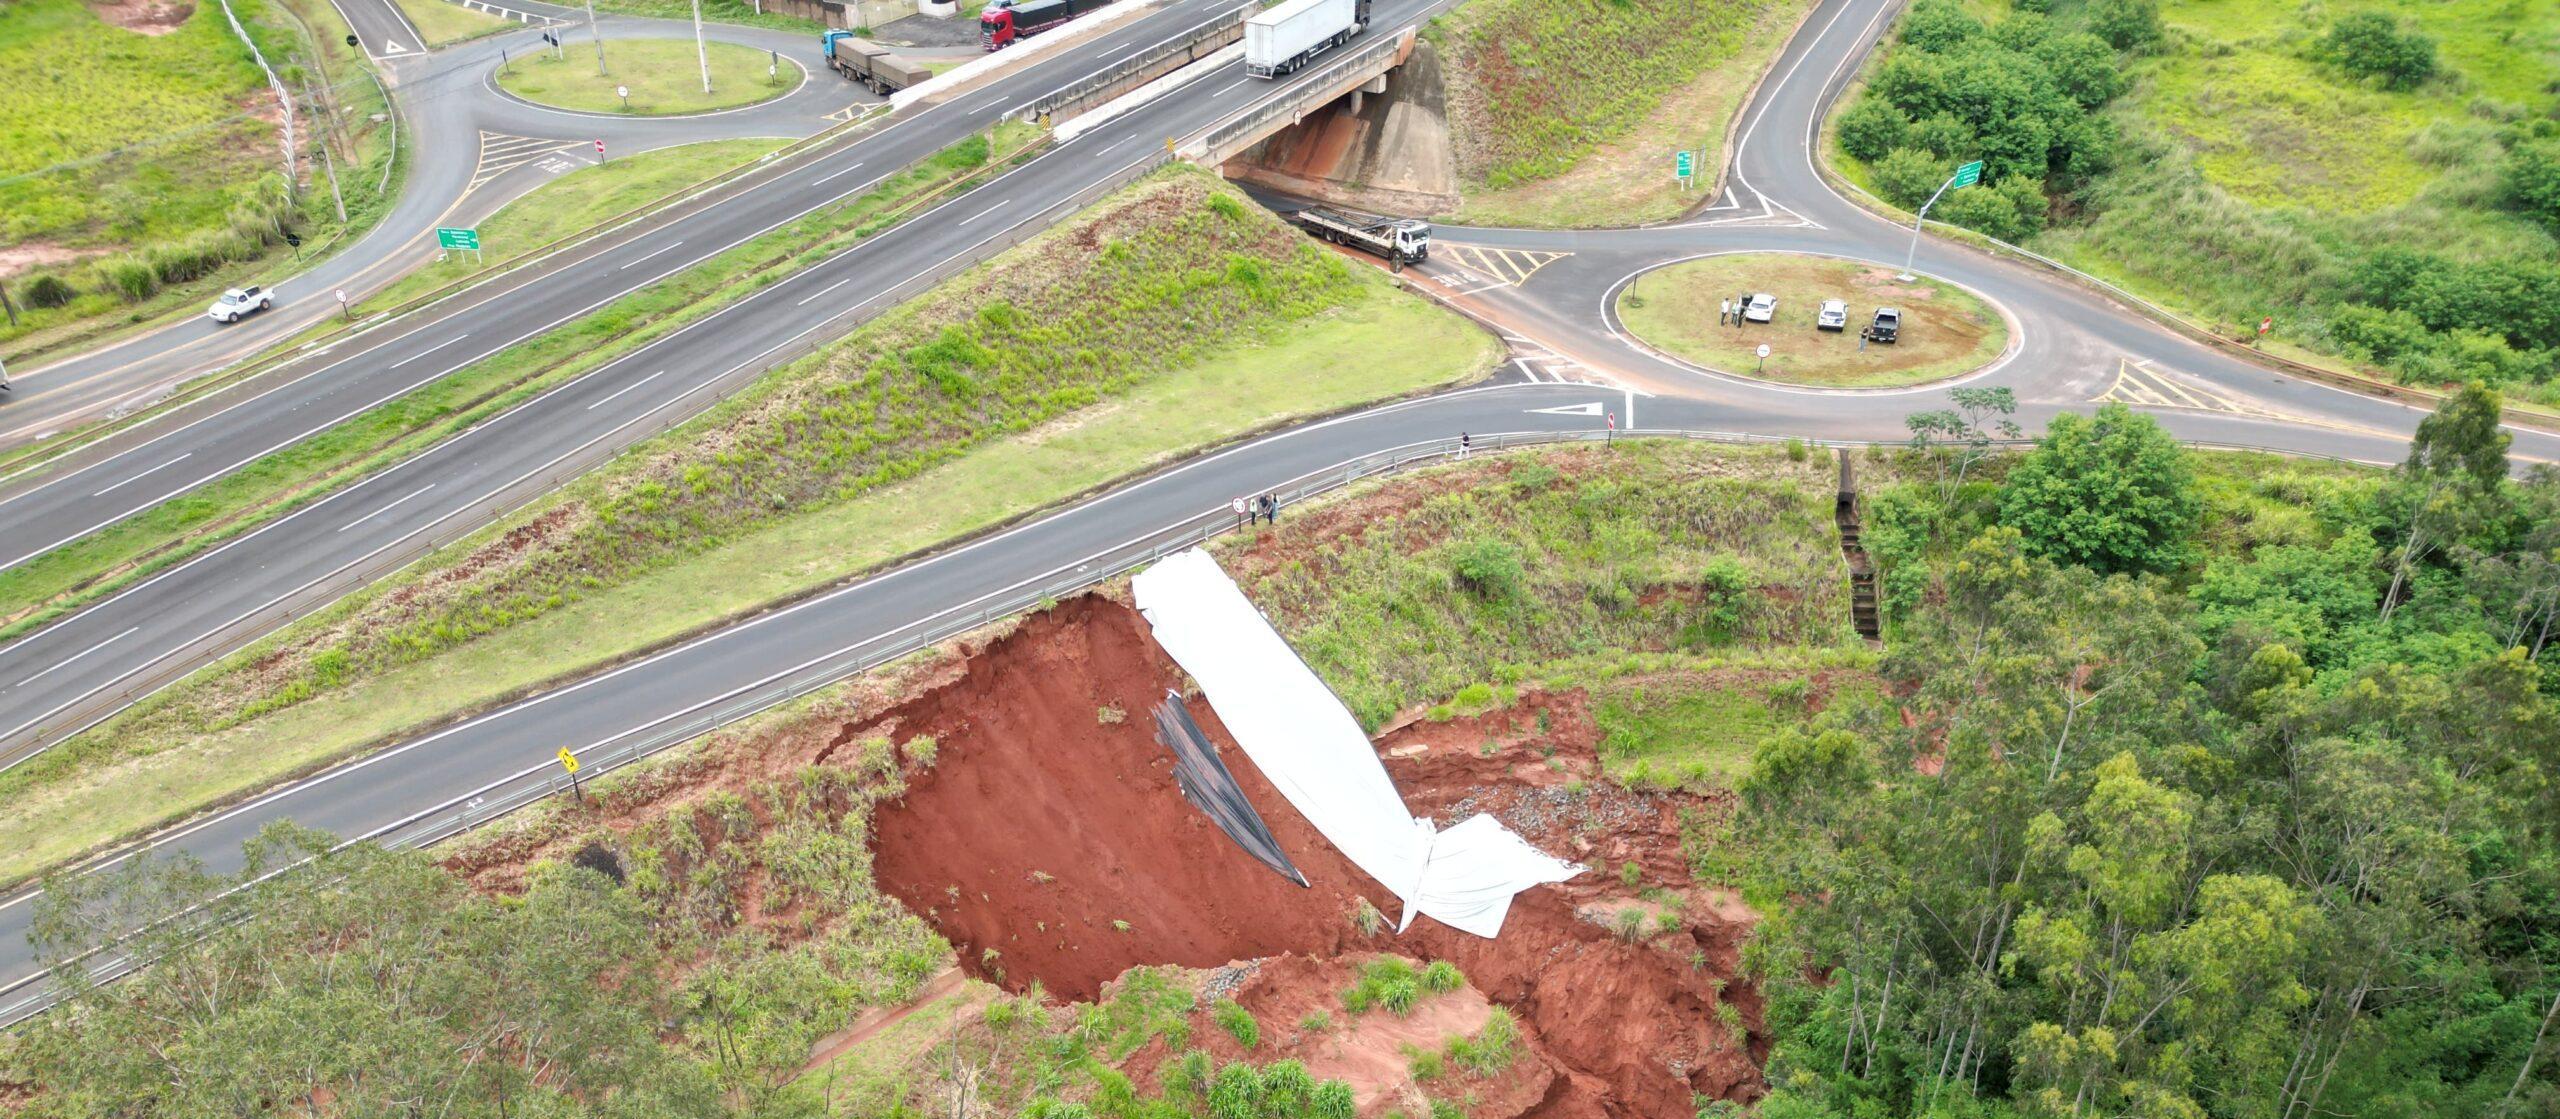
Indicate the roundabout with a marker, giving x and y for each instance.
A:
(1945, 331)
(651, 77)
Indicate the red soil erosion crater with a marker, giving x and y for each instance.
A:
(1048, 842)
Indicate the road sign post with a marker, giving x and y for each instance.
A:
(1684, 164)
(626, 100)
(449, 239)
(1965, 176)
(623, 92)
(343, 312)
(1762, 354)
(569, 765)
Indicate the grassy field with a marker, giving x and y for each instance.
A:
(1946, 331)
(574, 202)
(139, 173)
(724, 11)
(663, 75)
(359, 668)
(1566, 114)
(168, 533)
(443, 21)
(1625, 175)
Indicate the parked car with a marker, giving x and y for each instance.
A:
(1887, 327)
(240, 303)
(1833, 316)
(1761, 307)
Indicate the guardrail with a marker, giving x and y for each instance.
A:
(533, 784)
(1139, 66)
(1293, 101)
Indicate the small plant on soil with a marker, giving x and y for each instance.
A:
(1332, 1100)
(1316, 1022)
(1367, 919)
(1731, 1015)
(1110, 714)
(1044, 877)
(1631, 874)
(921, 749)
(1236, 1093)
(1122, 926)
(1630, 924)
(1287, 1090)
(1443, 1109)
(1238, 1022)
(1387, 983)
(1665, 923)
(1491, 1050)
(1425, 1064)
(1442, 977)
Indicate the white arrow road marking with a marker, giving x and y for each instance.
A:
(1591, 409)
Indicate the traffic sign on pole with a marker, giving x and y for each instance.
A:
(449, 238)
(568, 761)
(1685, 163)
(1966, 175)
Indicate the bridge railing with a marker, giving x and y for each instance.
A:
(1139, 65)
(1293, 100)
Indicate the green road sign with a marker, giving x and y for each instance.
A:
(1686, 162)
(462, 238)
(1967, 175)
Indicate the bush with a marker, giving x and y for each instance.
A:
(1442, 977)
(1907, 177)
(2126, 25)
(2371, 44)
(2012, 211)
(1287, 1090)
(1333, 1100)
(1872, 128)
(1490, 568)
(2114, 494)
(130, 277)
(1236, 1093)
(2533, 180)
(1238, 1022)
(45, 289)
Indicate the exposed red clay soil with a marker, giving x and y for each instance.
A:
(148, 17)
(1040, 825)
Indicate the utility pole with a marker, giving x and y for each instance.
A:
(701, 53)
(597, 35)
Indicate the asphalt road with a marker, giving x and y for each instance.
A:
(470, 149)
(66, 676)
(2071, 343)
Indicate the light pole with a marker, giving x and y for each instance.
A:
(1965, 176)
(598, 36)
(701, 53)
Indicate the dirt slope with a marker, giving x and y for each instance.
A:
(1044, 821)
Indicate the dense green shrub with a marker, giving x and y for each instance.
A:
(44, 289)
(1490, 568)
(2533, 180)
(2371, 44)
(2113, 493)
(131, 277)
(2126, 25)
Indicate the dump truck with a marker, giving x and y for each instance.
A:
(1004, 21)
(1279, 40)
(870, 63)
(1401, 240)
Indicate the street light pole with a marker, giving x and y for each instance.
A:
(1964, 176)
(701, 53)
(598, 36)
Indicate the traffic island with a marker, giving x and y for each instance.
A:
(1946, 331)
(650, 77)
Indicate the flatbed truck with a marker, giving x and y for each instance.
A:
(1400, 240)
(869, 63)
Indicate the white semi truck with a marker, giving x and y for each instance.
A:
(1401, 240)
(1281, 39)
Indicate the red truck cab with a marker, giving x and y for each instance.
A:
(1005, 21)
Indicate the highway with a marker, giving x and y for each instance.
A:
(1586, 374)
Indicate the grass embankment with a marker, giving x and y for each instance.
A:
(1946, 330)
(1566, 114)
(444, 22)
(115, 557)
(1049, 371)
(141, 173)
(2253, 172)
(663, 75)
(574, 203)
(721, 11)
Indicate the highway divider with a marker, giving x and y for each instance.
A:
(1134, 73)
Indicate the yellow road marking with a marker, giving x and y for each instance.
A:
(1504, 267)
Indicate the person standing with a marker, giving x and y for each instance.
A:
(1463, 444)
(1270, 509)
(1724, 312)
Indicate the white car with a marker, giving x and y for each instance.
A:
(1761, 307)
(239, 303)
(1834, 315)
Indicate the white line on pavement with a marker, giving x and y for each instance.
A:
(837, 174)
(428, 350)
(982, 213)
(387, 508)
(78, 655)
(653, 255)
(824, 290)
(626, 388)
(139, 477)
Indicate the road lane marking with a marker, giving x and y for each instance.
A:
(653, 255)
(1230, 85)
(982, 213)
(76, 656)
(824, 290)
(387, 508)
(428, 350)
(626, 388)
(1107, 147)
(834, 175)
(139, 477)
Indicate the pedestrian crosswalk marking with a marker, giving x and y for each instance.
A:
(501, 153)
(1500, 267)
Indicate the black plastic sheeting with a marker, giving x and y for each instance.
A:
(1211, 789)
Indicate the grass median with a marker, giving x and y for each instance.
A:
(443, 22)
(651, 77)
(115, 557)
(1011, 388)
(1946, 330)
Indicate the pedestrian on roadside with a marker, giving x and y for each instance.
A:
(1463, 444)
(1724, 312)
(1270, 509)
(1243, 518)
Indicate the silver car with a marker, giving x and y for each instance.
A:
(1834, 315)
(1761, 307)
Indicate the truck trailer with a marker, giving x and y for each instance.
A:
(869, 63)
(1281, 39)
(1007, 20)
(1401, 240)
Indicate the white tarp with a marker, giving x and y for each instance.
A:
(1311, 749)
